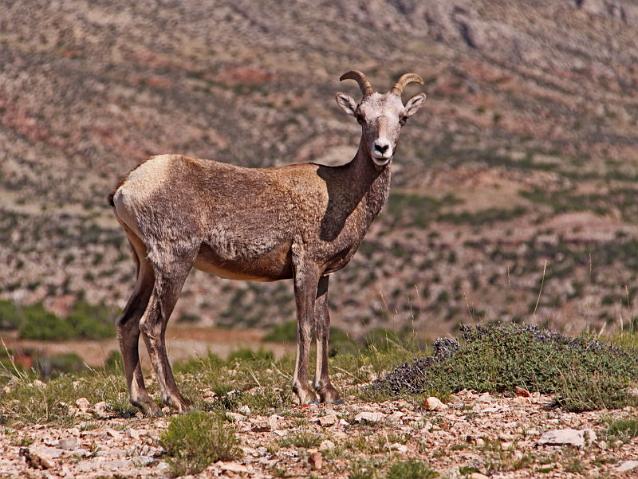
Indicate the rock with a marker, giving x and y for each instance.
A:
(326, 445)
(434, 404)
(273, 421)
(102, 410)
(627, 466)
(568, 437)
(68, 444)
(233, 467)
(315, 459)
(401, 448)
(40, 457)
(83, 404)
(261, 426)
(522, 392)
(245, 410)
(235, 417)
(328, 420)
(369, 417)
(478, 475)
(39, 384)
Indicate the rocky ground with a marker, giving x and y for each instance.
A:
(473, 435)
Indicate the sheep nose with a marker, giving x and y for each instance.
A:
(381, 147)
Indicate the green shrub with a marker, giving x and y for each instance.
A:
(41, 324)
(84, 321)
(51, 366)
(197, 439)
(412, 469)
(91, 321)
(622, 429)
(582, 374)
(10, 315)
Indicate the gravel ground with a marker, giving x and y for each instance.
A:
(471, 435)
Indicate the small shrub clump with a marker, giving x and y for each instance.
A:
(412, 469)
(197, 439)
(84, 321)
(583, 374)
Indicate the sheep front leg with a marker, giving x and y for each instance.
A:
(306, 278)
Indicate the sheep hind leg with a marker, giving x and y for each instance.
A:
(322, 384)
(165, 294)
(128, 331)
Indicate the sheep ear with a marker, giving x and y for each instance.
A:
(346, 103)
(413, 105)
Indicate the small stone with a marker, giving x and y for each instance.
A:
(39, 384)
(261, 426)
(328, 420)
(40, 457)
(478, 475)
(68, 444)
(315, 459)
(522, 392)
(434, 404)
(245, 410)
(568, 437)
(369, 417)
(627, 466)
(83, 404)
(233, 467)
(236, 417)
(326, 445)
(401, 448)
(102, 410)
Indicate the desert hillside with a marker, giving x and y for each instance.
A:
(513, 189)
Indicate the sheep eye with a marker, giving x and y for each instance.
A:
(359, 116)
(403, 119)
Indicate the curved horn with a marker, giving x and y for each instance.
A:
(404, 81)
(361, 79)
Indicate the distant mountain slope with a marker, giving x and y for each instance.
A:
(524, 159)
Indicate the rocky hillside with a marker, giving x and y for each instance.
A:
(513, 189)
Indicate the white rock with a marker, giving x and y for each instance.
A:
(401, 448)
(568, 437)
(232, 467)
(370, 417)
(68, 444)
(236, 417)
(627, 466)
(434, 404)
(102, 410)
(326, 444)
(328, 420)
(83, 404)
(245, 410)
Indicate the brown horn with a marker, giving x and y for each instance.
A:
(404, 81)
(361, 79)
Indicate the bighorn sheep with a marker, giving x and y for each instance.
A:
(302, 221)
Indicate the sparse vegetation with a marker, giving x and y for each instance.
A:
(84, 321)
(412, 469)
(583, 374)
(197, 439)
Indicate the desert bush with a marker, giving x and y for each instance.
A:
(197, 439)
(583, 374)
(622, 429)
